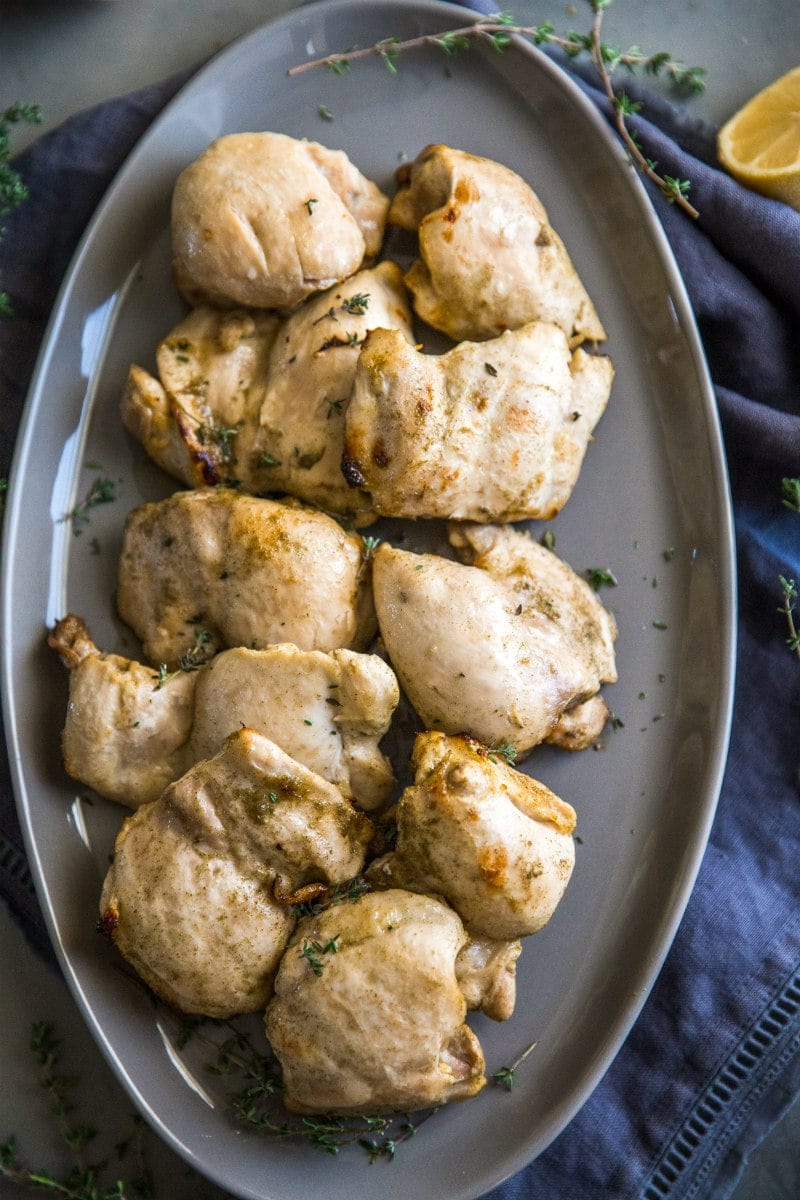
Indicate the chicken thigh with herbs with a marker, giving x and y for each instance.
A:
(211, 568)
(197, 896)
(542, 582)
(489, 431)
(495, 844)
(241, 395)
(264, 220)
(368, 1015)
(507, 655)
(127, 735)
(489, 259)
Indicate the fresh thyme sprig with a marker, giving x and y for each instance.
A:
(312, 950)
(257, 1105)
(497, 31)
(502, 750)
(788, 608)
(674, 190)
(12, 188)
(192, 660)
(85, 1180)
(354, 305)
(101, 491)
(349, 891)
(505, 1076)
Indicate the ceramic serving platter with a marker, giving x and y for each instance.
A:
(651, 505)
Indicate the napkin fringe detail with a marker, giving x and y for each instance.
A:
(723, 1109)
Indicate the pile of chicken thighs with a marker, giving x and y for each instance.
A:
(268, 865)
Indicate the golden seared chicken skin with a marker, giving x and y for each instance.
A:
(262, 220)
(484, 654)
(494, 843)
(241, 395)
(211, 568)
(368, 1015)
(197, 898)
(128, 733)
(489, 258)
(489, 431)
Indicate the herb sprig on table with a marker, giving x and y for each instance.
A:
(85, 1179)
(496, 31)
(12, 187)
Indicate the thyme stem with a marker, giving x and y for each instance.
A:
(497, 32)
(672, 189)
(788, 607)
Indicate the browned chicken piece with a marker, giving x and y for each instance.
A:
(489, 431)
(263, 220)
(197, 896)
(312, 368)
(199, 419)
(207, 569)
(489, 259)
(495, 844)
(368, 1015)
(243, 396)
(487, 975)
(128, 735)
(501, 655)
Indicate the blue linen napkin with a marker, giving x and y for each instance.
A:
(714, 1057)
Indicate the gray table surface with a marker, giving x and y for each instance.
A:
(66, 56)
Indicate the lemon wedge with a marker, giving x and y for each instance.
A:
(760, 145)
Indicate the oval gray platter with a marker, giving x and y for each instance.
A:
(654, 480)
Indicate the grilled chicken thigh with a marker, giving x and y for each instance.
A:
(491, 431)
(489, 259)
(264, 220)
(196, 898)
(368, 1015)
(495, 844)
(128, 736)
(242, 395)
(500, 656)
(211, 568)
(199, 419)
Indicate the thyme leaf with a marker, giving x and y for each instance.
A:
(790, 493)
(101, 491)
(502, 750)
(598, 577)
(312, 951)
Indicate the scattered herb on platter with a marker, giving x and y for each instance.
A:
(85, 1180)
(598, 577)
(496, 31)
(257, 1105)
(101, 491)
(12, 188)
(505, 1077)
